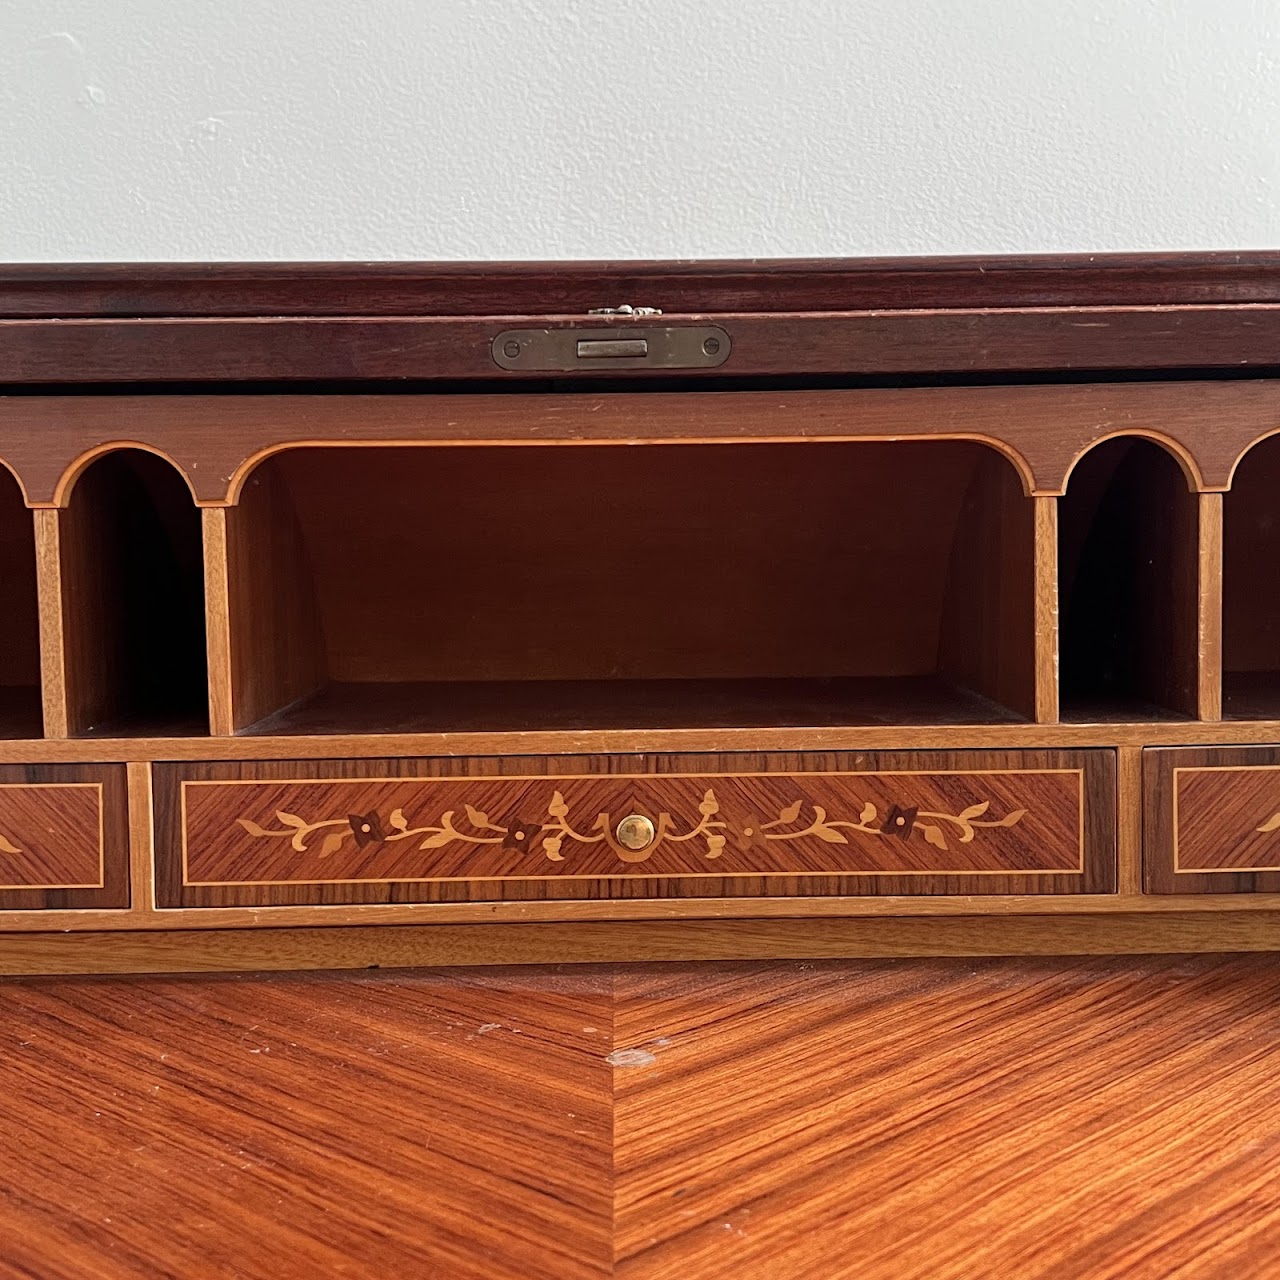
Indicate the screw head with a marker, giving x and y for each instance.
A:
(511, 349)
(711, 346)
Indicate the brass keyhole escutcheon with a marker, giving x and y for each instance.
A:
(635, 832)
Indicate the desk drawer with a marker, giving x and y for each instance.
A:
(288, 832)
(1212, 819)
(64, 837)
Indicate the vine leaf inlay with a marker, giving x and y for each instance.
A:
(1271, 824)
(7, 845)
(898, 821)
(368, 828)
(515, 832)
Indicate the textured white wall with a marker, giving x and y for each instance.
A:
(253, 129)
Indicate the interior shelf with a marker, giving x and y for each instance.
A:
(20, 707)
(133, 601)
(386, 589)
(1128, 556)
(1251, 588)
(529, 705)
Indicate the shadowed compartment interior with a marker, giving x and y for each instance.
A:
(133, 600)
(1127, 580)
(20, 710)
(420, 589)
(1251, 587)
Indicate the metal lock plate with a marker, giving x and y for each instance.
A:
(566, 350)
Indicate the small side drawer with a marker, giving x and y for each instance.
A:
(64, 837)
(1211, 819)
(291, 832)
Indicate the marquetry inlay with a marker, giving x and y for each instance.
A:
(422, 829)
(1226, 818)
(556, 827)
(51, 835)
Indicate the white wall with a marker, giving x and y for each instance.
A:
(254, 129)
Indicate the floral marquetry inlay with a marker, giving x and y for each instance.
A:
(472, 832)
(899, 821)
(551, 831)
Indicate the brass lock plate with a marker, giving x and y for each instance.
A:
(569, 350)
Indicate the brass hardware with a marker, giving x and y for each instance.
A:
(618, 347)
(613, 348)
(635, 831)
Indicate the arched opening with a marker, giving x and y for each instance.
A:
(424, 589)
(1128, 554)
(133, 600)
(20, 710)
(1251, 586)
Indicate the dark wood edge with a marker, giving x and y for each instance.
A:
(113, 290)
(871, 318)
(988, 345)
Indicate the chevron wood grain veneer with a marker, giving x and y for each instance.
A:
(1109, 1118)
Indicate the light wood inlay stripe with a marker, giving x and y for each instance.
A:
(218, 622)
(1046, 609)
(1209, 612)
(53, 658)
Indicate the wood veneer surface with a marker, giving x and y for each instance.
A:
(1052, 817)
(926, 1119)
(931, 1121)
(786, 560)
(498, 706)
(19, 621)
(132, 599)
(1042, 429)
(19, 712)
(1128, 560)
(309, 1127)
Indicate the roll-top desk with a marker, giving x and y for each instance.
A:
(358, 615)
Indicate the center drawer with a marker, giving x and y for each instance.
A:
(266, 833)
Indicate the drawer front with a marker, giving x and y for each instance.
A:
(288, 832)
(1212, 819)
(64, 837)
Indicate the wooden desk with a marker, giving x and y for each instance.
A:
(366, 614)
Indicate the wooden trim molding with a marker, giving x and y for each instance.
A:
(1044, 431)
(851, 345)
(596, 942)
(161, 289)
(325, 322)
